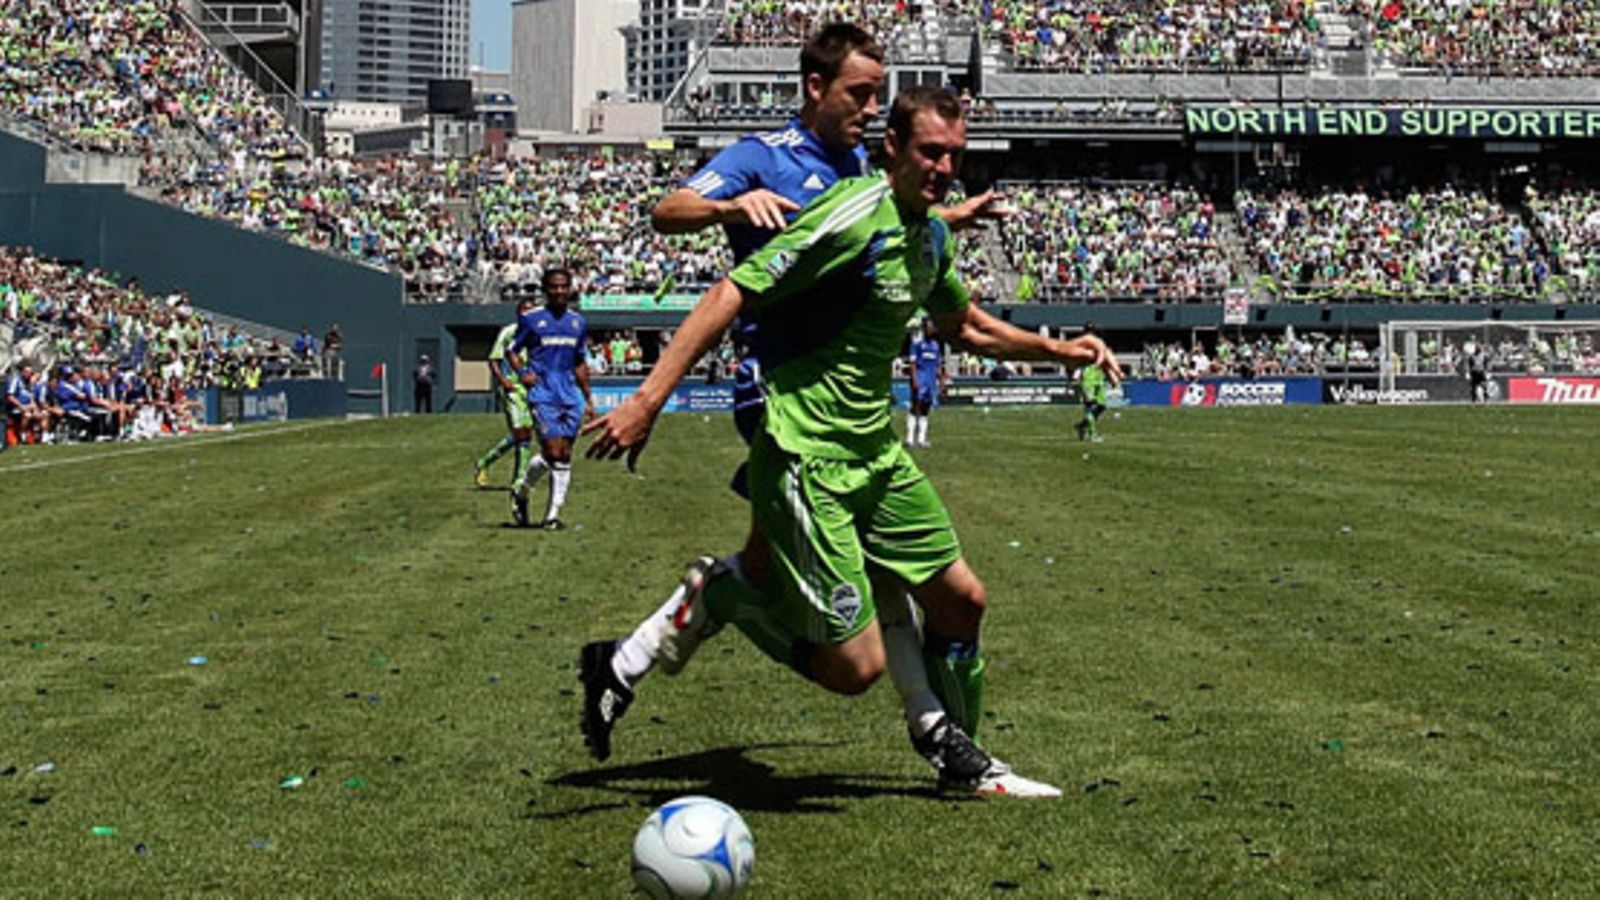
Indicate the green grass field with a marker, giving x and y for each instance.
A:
(1294, 651)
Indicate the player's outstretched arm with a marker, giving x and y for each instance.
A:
(976, 331)
(684, 211)
(627, 428)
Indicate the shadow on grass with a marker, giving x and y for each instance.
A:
(731, 776)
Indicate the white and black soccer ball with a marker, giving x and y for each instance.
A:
(693, 847)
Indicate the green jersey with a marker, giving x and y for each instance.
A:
(1094, 384)
(833, 294)
(497, 351)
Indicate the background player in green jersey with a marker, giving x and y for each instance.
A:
(1093, 384)
(846, 511)
(513, 402)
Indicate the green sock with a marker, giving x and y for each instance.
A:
(955, 672)
(1094, 423)
(497, 451)
(521, 459)
(731, 600)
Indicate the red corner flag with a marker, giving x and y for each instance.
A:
(377, 371)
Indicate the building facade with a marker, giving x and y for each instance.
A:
(385, 51)
(664, 43)
(564, 55)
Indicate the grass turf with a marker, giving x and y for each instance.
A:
(1264, 651)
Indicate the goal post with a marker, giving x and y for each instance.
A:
(1440, 348)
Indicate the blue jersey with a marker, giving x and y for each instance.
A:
(70, 395)
(790, 162)
(927, 355)
(19, 390)
(554, 347)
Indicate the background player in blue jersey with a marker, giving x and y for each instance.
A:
(927, 383)
(753, 189)
(548, 351)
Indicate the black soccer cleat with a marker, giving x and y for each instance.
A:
(952, 753)
(519, 508)
(605, 697)
(552, 524)
(965, 768)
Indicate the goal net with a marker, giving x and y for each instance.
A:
(1496, 348)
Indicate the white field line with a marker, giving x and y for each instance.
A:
(160, 445)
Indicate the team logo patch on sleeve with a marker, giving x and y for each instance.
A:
(846, 604)
(780, 264)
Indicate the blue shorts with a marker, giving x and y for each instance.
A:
(924, 397)
(557, 420)
(749, 414)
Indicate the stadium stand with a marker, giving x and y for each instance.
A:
(1133, 36)
(130, 78)
(1446, 242)
(1525, 38)
(1285, 353)
(66, 326)
(1134, 241)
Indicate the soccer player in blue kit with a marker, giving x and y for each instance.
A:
(927, 383)
(548, 350)
(753, 189)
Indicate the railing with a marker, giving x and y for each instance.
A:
(305, 123)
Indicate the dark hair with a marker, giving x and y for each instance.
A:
(832, 45)
(544, 280)
(915, 99)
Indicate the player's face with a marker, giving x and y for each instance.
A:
(557, 291)
(847, 103)
(926, 161)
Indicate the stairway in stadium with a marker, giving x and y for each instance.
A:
(1347, 54)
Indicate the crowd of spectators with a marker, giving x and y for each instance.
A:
(95, 358)
(1518, 350)
(1513, 37)
(1568, 220)
(1442, 242)
(1285, 353)
(1077, 35)
(130, 78)
(790, 22)
(1084, 239)
(1098, 36)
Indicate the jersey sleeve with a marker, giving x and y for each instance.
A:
(731, 172)
(949, 295)
(527, 336)
(819, 240)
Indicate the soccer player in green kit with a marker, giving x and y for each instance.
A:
(1092, 383)
(846, 511)
(513, 401)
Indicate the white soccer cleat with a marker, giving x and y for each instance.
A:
(1000, 781)
(691, 621)
(965, 768)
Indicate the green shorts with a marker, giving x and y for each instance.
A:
(515, 405)
(830, 521)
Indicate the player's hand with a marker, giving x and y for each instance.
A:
(760, 208)
(1090, 350)
(1106, 360)
(588, 412)
(976, 212)
(624, 430)
(529, 379)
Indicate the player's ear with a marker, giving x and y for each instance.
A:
(891, 144)
(815, 87)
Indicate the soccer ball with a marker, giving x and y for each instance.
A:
(693, 847)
